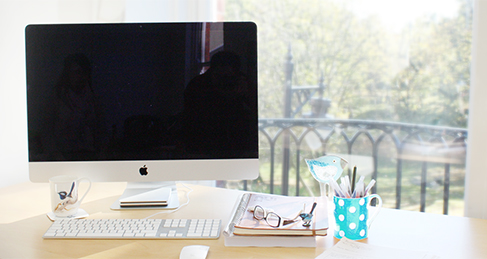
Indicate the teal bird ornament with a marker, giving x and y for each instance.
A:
(325, 168)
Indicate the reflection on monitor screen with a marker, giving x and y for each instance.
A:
(144, 102)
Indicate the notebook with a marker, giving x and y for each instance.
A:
(288, 207)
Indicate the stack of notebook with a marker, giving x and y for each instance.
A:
(244, 230)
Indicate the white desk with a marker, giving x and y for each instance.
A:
(23, 221)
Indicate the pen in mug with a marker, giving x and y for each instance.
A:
(336, 187)
(354, 174)
(348, 186)
(359, 188)
(344, 188)
(369, 186)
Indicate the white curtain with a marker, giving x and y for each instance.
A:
(476, 178)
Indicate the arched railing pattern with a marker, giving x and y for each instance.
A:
(408, 140)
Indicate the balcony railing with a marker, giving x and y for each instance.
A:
(284, 143)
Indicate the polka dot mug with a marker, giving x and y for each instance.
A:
(352, 216)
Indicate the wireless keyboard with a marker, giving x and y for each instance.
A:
(134, 229)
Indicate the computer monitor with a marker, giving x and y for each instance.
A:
(142, 102)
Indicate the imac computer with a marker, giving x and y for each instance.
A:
(143, 103)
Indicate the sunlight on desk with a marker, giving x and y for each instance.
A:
(28, 200)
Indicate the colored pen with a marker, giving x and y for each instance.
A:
(353, 178)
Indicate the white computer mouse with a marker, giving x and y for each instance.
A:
(194, 252)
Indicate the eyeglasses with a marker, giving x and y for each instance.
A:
(271, 218)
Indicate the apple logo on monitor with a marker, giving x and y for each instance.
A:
(143, 171)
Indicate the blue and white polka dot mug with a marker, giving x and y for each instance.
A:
(352, 216)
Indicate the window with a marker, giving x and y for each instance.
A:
(385, 84)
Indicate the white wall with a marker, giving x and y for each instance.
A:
(13, 141)
(170, 10)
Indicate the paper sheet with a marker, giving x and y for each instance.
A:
(348, 249)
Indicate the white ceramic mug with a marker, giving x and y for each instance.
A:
(64, 195)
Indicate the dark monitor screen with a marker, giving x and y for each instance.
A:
(150, 91)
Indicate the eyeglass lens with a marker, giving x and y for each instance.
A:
(271, 218)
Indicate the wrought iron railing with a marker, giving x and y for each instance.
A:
(406, 142)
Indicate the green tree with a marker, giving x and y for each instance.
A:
(325, 38)
(420, 75)
(433, 89)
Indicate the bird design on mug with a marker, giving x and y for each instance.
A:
(66, 199)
